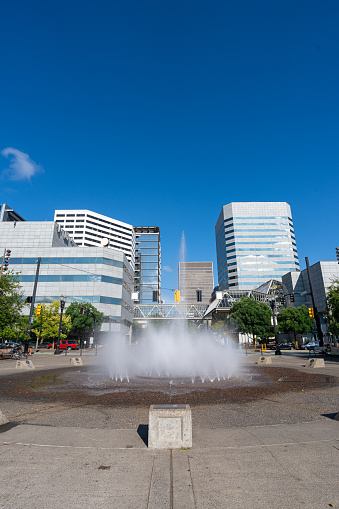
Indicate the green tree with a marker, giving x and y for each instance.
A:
(295, 320)
(46, 325)
(81, 323)
(11, 303)
(251, 317)
(332, 298)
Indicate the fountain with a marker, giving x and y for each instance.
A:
(174, 352)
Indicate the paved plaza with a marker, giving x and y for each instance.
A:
(276, 452)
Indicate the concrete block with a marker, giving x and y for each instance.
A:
(170, 427)
(316, 363)
(76, 361)
(24, 365)
(3, 418)
(264, 360)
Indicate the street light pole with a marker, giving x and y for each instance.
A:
(272, 304)
(62, 305)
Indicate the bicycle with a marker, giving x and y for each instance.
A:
(18, 354)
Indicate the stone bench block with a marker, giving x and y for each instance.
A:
(76, 361)
(316, 363)
(170, 427)
(264, 360)
(24, 365)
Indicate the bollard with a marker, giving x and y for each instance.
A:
(170, 427)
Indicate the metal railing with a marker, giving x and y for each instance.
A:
(186, 311)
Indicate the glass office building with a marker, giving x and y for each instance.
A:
(255, 242)
(147, 274)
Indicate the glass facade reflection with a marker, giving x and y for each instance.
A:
(255, 242)
(147, 264)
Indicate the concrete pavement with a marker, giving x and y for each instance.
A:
(276, 466)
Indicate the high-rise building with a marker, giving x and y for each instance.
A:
(96, 275)
(91, 229)
(147, 274)
(194, 276)
(255, 242)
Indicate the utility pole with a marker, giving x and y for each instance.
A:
(316, 314)
(30, 321)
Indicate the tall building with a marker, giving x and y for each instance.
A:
(147, 274)
(96, 275)
(91, 229)
(255, 242)
(195, 276)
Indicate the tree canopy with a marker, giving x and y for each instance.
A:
(11, 304)
(81, 323)
(251, 317)
(46, 325)
(332, 298)
(295, 320)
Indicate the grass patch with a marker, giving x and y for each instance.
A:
(43, 381)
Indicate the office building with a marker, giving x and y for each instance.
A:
(96, 275)
(322, 276)
(195, 276)
(255, 242)
(147, 264)
(91, 229)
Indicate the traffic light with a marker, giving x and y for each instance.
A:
(177, 296)
(6, 259)
(81, 310)
(337, 251)
(38, 309)
(311, 312)
(199, 295)
(155, 296)
(87, 312)
(292, 297)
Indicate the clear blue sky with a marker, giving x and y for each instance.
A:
(160, 112)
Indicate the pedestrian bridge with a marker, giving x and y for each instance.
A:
(168, 311)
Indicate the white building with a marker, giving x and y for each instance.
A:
(91, 229)
(255, 242)
(96, 275)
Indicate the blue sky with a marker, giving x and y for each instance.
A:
(160, 112)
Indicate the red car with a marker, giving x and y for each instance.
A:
(65, 345)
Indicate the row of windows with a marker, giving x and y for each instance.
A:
(267, 242)
(261, 249)
(70, 277)
(258, 236)
(256, 224)
(70, 215)
(266, 276)
(261, 256)
(257, 230)
(66, 260)
(95, 299)
(261, 217)
(108, 222)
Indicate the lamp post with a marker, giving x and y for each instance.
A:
(62, 306)
(272, 304)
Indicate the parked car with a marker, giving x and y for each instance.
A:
(44, 344)
(286, 346)
(67, 345)
(310, 346)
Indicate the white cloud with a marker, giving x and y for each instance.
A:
(21, 166)
(166, 268)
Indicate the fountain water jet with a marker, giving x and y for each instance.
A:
(174, 352)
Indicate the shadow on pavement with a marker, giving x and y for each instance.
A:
(143, 433)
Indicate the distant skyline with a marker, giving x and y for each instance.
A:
(159, 113)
